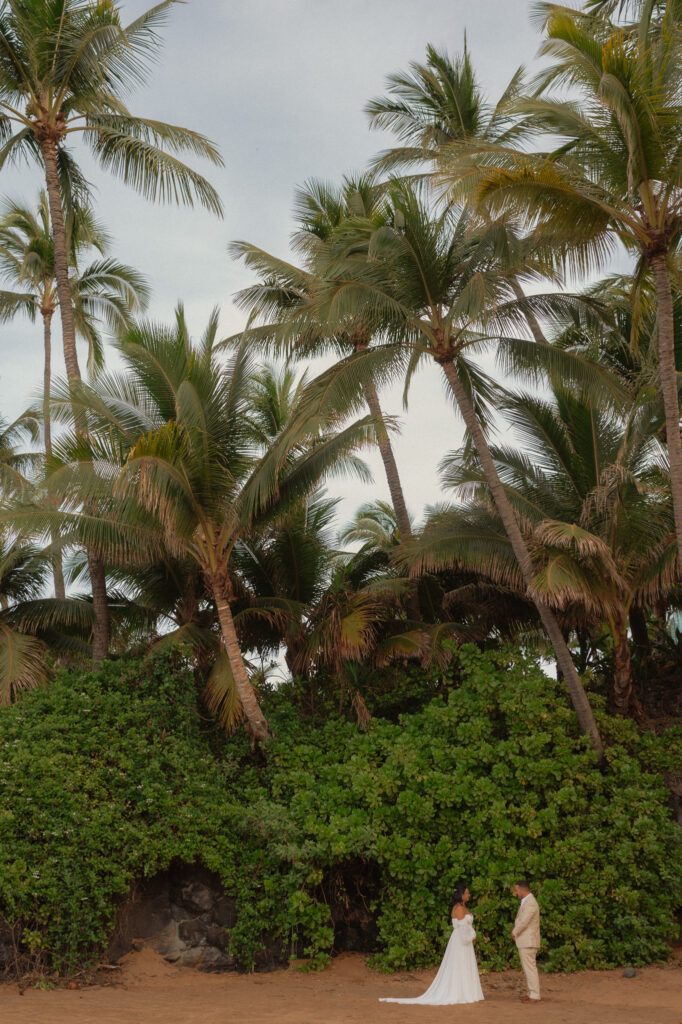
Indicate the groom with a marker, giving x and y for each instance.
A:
(526, 935)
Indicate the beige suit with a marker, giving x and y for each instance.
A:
(526, 934)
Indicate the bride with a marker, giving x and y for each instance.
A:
(457, 979)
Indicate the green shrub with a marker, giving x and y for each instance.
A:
(111, 775)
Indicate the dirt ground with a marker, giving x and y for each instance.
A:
(147, 990)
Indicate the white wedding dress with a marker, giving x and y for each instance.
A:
(457, 980)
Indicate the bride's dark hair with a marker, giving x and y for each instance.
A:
(457, 894)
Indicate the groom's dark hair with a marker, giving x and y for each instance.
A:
(523, 884)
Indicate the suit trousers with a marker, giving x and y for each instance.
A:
(527, 955)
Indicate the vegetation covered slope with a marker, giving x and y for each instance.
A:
(111, 775)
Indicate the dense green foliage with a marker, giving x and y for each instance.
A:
(111, 775)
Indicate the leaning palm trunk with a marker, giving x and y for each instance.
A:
(390, 465)
(394, 485)
(531, 318)
(666, 359)
(57, 570)
(48, 148)
(256, 723)
(575, 688)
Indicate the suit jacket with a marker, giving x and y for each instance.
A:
(527, 924)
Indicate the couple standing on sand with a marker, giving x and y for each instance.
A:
(457, 980)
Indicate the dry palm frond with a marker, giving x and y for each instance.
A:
(22, 663)
(221, 695)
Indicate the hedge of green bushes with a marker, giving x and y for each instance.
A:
(110, 776)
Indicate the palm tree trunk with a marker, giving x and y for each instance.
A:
(390, 465)
(61, 262)
(100, 602)
(48, 148)
(622, 669)
(256, 723)
(571, 678)
(57, 569)
(624, 697)
(47, 382)
(666, 360)
(531, 319)
(395, 487)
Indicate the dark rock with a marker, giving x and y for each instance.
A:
(183, 914)
(197, 897)
(168, 943)
(186, 916)
(193, 931)
(225, 912)
(215, 936)
(211, 959)
(629, 972)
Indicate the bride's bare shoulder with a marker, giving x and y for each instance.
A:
(459, 912)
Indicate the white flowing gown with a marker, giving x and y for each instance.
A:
(457, 980)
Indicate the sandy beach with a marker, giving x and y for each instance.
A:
(147, 990)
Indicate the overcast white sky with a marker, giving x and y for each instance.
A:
(280, 85)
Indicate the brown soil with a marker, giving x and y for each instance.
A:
(149, 991)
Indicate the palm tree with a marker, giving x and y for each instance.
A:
(344, 627)
(15, 465)
(435, 103)
(23, 569)
(590, 490)
(655, 10)
(626, 339)
(65, 67)
(613, 178)
(440, 102)
(191, 483)
(282, 300)
(104, 289)
(440, 287)
(286, 569)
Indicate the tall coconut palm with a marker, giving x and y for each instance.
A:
(104, 289)
(590, 492)
(441, 288)
(440, 102)
(613, 177)
(435, 103)
(191, 483)
(65, 67)
(281, 304)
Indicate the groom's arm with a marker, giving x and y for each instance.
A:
(523, 919)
